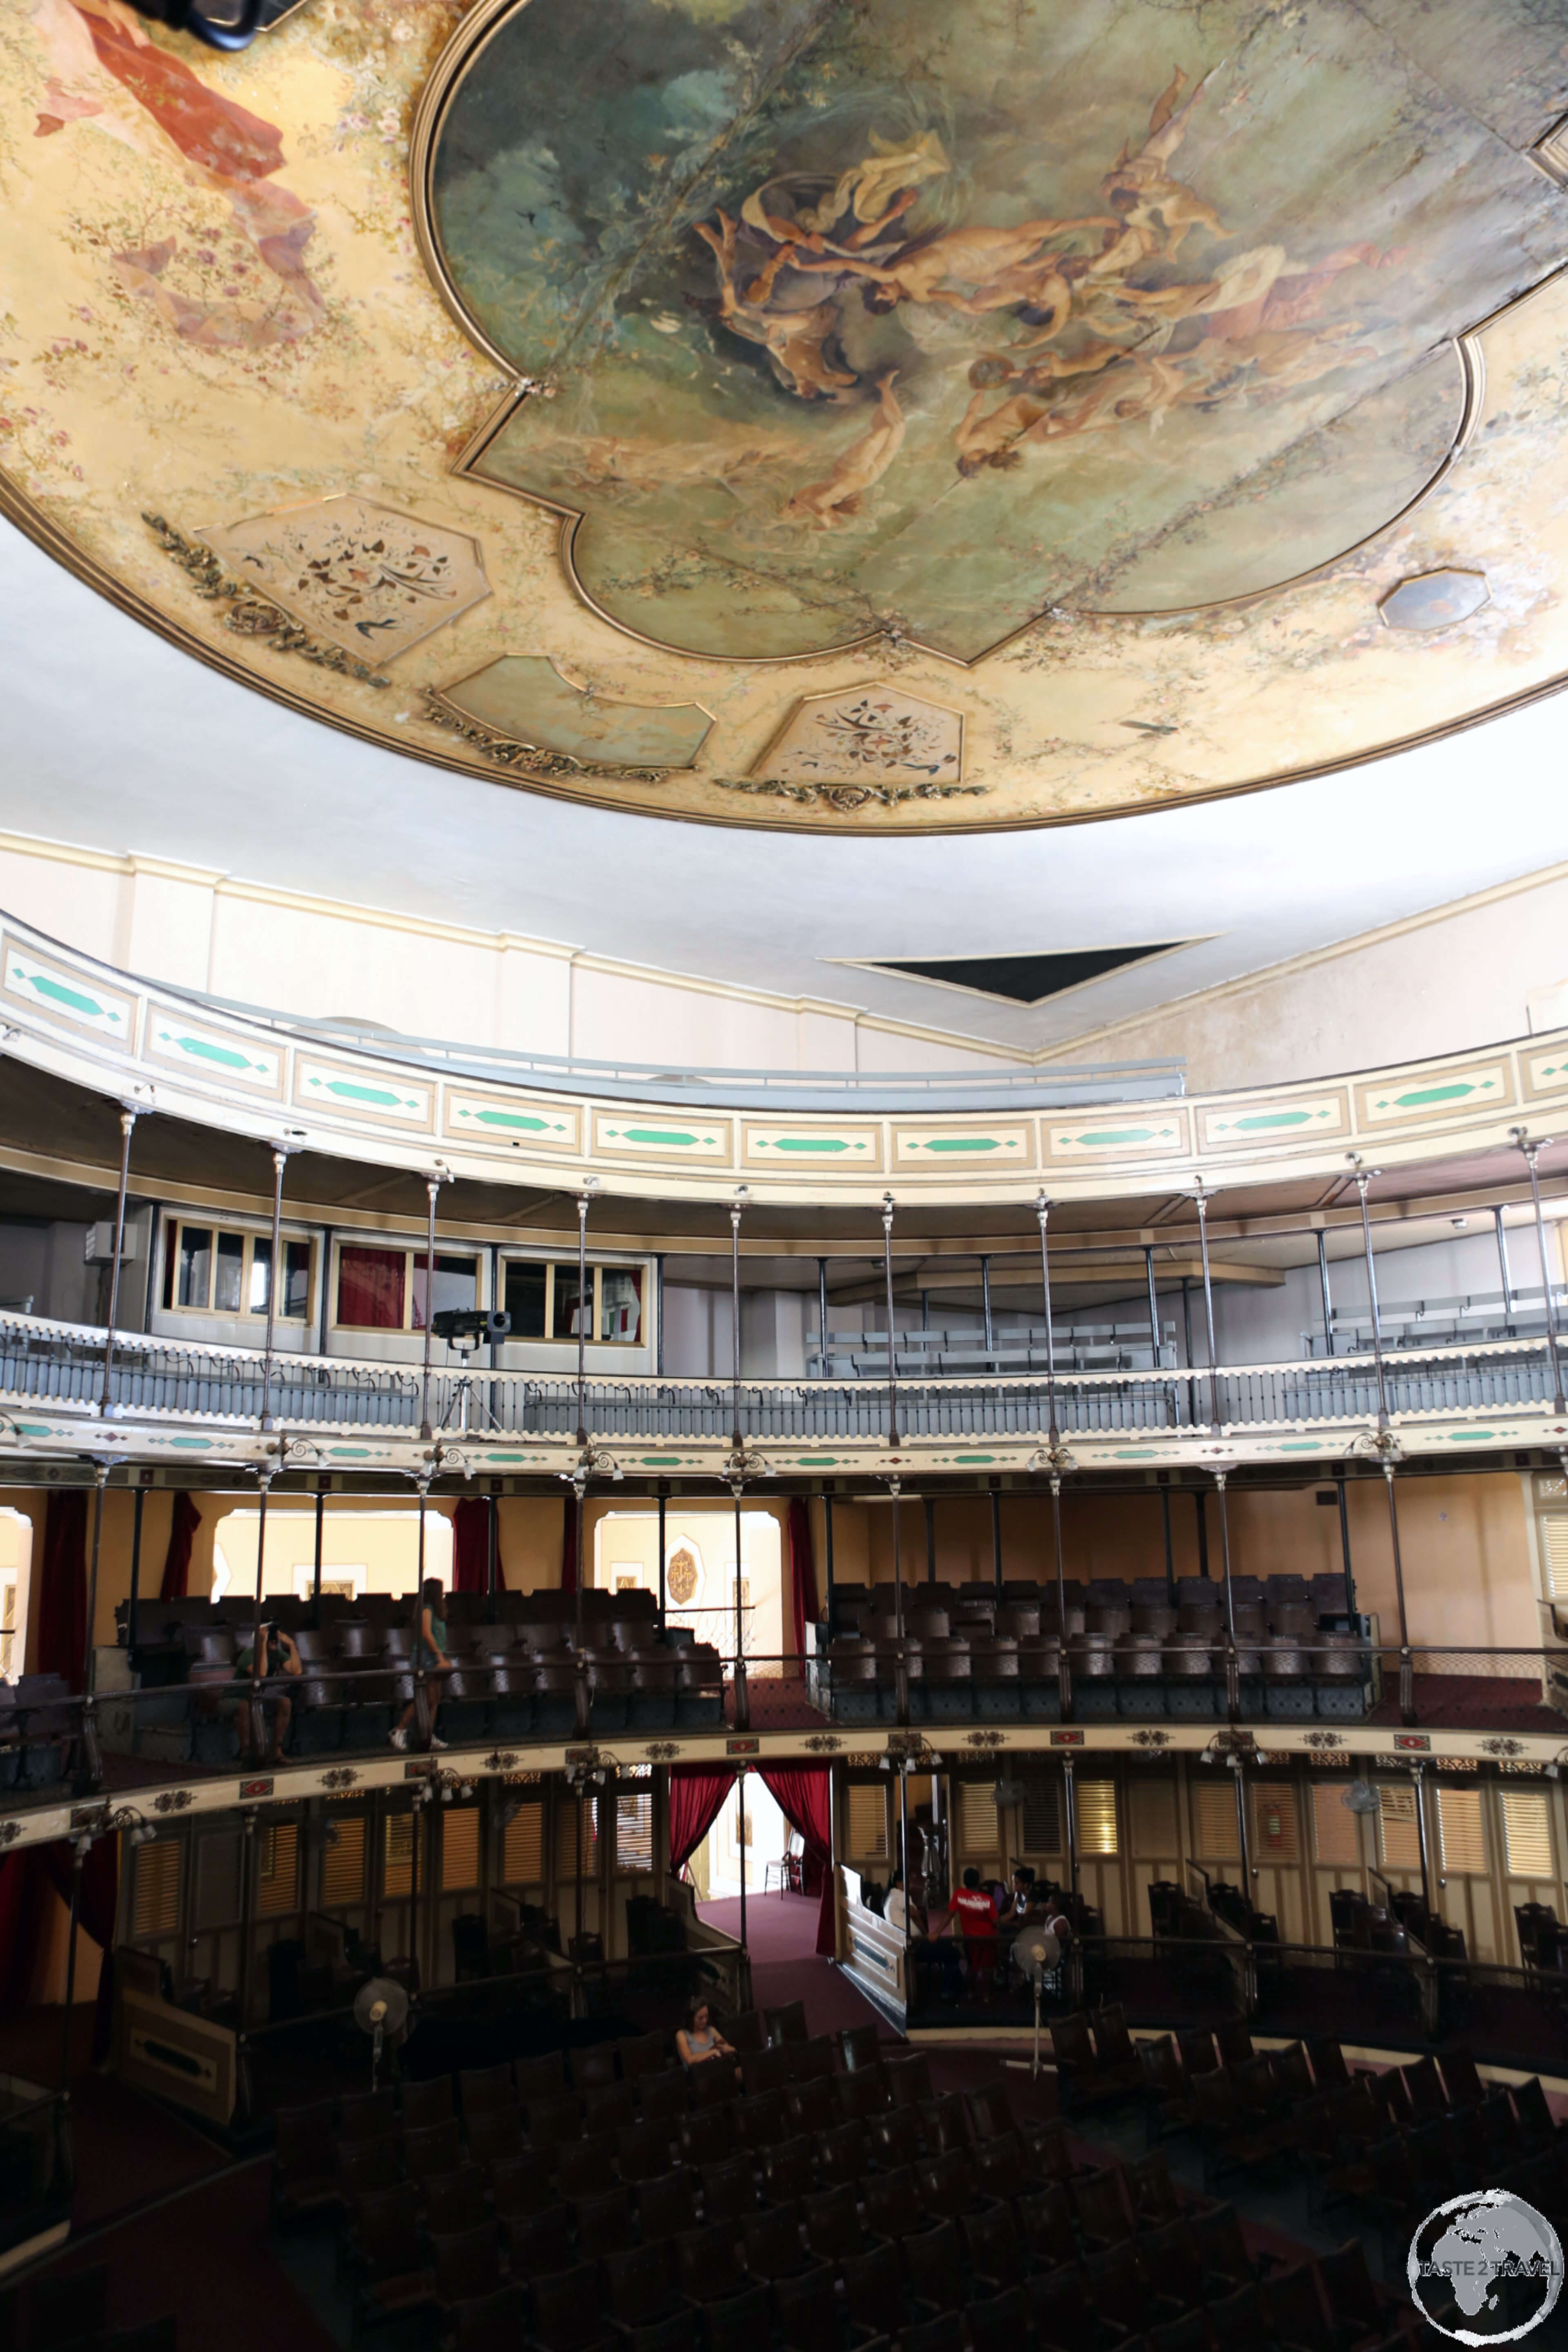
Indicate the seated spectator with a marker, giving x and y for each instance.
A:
(279, 1656)
(699, 2040)
(1025, 1906)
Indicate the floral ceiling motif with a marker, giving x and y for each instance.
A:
(1122, 442)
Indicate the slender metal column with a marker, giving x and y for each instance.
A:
(892, 1349)
(1232, 1675)
(1042, 1214)
(658, 1314)
(433, 1184)
(1064, 1671)
(1532, 1148)
(1345, 1548)
(130, 1613)
(492, 1556)
(89, 1772)
(246, 1924)
(1069, 1816)
(901, 1671)
(128, 1114)
(743, 1694)
(258, 1663)
(1170, 1552)
(1418, 1774)
(985, 1303)
(581, 1698)
(577, 1933)
(1153, 1306)
(828, 1549)
(1364, 1176)
(1502, 1264)
(1407, 1663)
(316, 1562)
(996, 1536)
(1385, 1446)
(1201, 1500)
(663, 1590)
(79, 1849)
(1325, 1293)
(737, 1209)
(416, 1838)
(1239, 1768)
(821, 1310)
(931, 1538)
(740, 1824)
(1203, 1200)
(280, 1161)
(904, 1864)
(590, 1185)
(423, 1715)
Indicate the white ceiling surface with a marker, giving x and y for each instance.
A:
(115, 740)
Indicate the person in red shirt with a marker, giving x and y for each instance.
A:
(974, 1913)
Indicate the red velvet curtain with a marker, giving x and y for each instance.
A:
(370, 1287)
(472, 1548)
(569, 1542)
(62, 1587)
(177, 1559)
(803, 1797)
(802, 1573)
(695, 1800)
(25, 1879)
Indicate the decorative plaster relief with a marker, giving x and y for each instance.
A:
(1255, 1123)
(366, 577)
(854, 1149)
(174, 1039)
(1160, 1136)
(510, 1119)
(1435, 1094)
(65, 995)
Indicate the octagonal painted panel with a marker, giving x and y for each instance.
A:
(363, 576)
(1435, 600)
(875, 734)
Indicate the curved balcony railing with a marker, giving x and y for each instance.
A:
(62, 1364)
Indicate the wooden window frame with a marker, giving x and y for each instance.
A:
(598, 1268)
(177, 1222)
(414, 1256)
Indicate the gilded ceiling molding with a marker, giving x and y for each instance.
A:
(535, 761)
(248, 612)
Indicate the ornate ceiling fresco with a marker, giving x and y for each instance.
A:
(883, 414)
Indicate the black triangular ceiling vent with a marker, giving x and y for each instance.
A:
(1024, 979)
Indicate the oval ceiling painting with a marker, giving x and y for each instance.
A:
(865, 416)
(928, 316)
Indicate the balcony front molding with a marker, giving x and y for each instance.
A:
(179, 1798)
(84, 1021)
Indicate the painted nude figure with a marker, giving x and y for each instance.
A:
(840, 496)
(1140, 190)
(793, 339)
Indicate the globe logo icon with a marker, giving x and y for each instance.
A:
(1485, 2268)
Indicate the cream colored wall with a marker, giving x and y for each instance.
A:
(319, 957)
(1439, 983)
